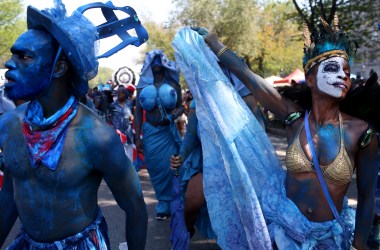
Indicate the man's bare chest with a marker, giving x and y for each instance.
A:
(74, 163)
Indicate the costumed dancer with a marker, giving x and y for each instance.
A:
(159, 94)
(305, 207)
(57, 151)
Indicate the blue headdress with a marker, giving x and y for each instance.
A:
(326, 42)
(155, 56)
(78, 37)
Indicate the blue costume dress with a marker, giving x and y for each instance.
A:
(160, 142)
(244, 182)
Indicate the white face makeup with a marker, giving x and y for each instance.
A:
(330, 77)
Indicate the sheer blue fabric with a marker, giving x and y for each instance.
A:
(234, 171)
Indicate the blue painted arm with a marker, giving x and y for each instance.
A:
(367, 174)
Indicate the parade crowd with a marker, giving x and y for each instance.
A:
(205, 147)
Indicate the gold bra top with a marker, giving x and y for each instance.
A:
(339, 171)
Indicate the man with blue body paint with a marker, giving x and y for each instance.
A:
(56, 151)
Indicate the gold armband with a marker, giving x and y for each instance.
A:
(221, 51)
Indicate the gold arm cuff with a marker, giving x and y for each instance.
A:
(221, 51)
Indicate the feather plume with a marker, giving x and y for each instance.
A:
(327, 27)
(336, 23)
(306, 35)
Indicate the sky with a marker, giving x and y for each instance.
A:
(155, 10)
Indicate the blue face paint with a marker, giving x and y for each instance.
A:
(30, 66)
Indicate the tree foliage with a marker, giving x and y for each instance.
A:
(104, 74)
(261, 32)
(12, 24)
(160, 37)
(358, 18)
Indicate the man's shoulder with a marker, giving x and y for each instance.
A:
(91, 123)
(15, 114)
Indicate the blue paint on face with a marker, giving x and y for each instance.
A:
(30, 66)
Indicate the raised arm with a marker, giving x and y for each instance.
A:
(265, 93)
(367, 172)
(124, 183)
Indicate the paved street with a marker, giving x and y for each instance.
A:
(159, 231)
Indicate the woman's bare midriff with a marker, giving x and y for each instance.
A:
(305, 191)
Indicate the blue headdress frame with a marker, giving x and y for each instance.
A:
(77, 36)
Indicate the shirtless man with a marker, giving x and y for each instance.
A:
(56, 151)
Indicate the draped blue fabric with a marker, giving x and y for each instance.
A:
(160, 143)
(234, 172)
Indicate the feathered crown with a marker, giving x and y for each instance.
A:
(325, 42)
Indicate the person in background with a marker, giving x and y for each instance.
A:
(121, 117)
(159, 95)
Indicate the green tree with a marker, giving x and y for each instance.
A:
(104, 74)
(160, 37)
(358, 18)
(12, 24)
(261, 32)
(279, 40)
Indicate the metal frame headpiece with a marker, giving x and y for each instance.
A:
(78, 37)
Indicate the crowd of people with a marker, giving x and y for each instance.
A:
(55, 137)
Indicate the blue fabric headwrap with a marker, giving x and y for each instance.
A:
(156, 61)
(171, 69)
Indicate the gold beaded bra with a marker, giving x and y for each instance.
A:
(338, 172)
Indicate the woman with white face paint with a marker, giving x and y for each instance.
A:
(305, 209)
(331, 75)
